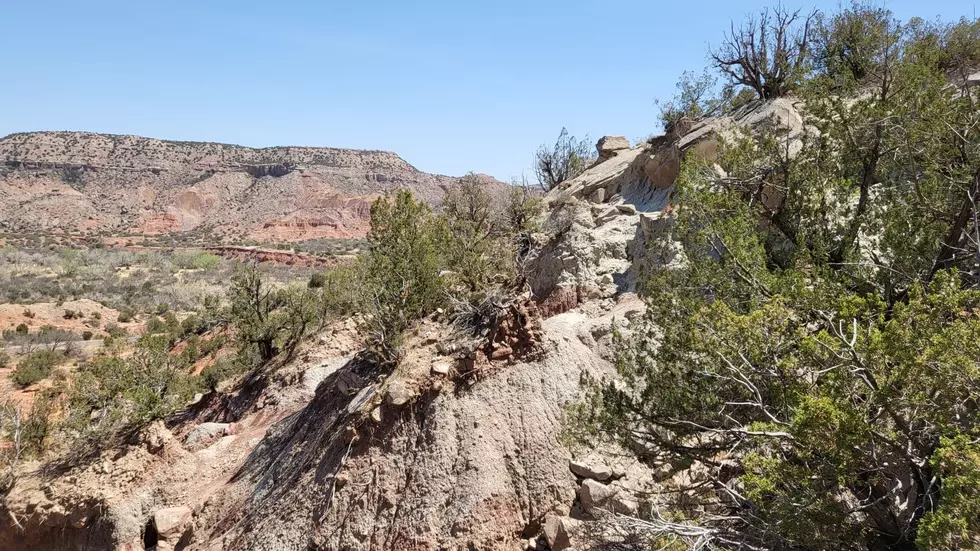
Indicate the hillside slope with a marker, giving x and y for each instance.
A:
(78, 182)
(328, 453)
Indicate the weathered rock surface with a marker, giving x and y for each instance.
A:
(170, 523)
(595, 494)
(333, 454)
(560, 532)
(399, 393)
(204, 435)
(608, 146)
(601, 223)
(586, 469)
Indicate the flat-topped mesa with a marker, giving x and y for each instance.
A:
(83, 183)
(135, 152)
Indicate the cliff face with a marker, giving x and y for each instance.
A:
(80, 182)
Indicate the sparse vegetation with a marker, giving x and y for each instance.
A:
(341, 291)
(698, 97)
(402, 270)
(222, 369)
(568, 158)
(768, 53)
(478, 236)
(36, 366)
(133, 283)
(816, 352)
(110, 392)
(126, 384)
(196, 260)
(268, 320)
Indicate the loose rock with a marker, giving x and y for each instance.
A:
(595, 494)
(595, 471)
(442, 367)
(172, 522)
(559, 531)
(609, 145)
(204, 435)
(399, 393)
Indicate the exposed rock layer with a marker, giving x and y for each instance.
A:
(331, 454)
(86, 183)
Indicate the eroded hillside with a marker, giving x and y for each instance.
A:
(458, 447)
(111, 185)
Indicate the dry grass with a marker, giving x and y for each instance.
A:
(131, 281)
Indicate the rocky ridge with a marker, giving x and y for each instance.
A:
(441, 453)
(84, 183)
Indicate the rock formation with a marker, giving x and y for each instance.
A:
(329, 454)
(77, 182)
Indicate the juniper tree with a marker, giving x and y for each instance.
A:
(568, 158)
(818, 353)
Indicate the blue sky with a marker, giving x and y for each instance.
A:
(450, 86)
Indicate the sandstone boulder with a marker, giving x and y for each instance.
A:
(595, 471)
(442, 367)
(399, 393)
(560, 532)
(594, 494)
(172, 522)
(156, 436)
(609, 145)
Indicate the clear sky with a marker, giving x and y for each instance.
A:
(450, 86)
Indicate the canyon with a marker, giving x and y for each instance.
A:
(86, 184)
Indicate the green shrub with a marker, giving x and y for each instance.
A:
(196, 260)
(52, 334)
(22, 328)
(402, 270)
(210, 346)
(72, 314)
(341, 291)
(207, 261)
(268, 321)
(221, 370)
(131, 391)
(317, 280)
(479, 250)
(115, 331)
(156, 325)
(192, 325)
(87, 335)
(37, 425)
(567, 159)
(125, 316)
(695, 99)
(36, 366)
(4, 360)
